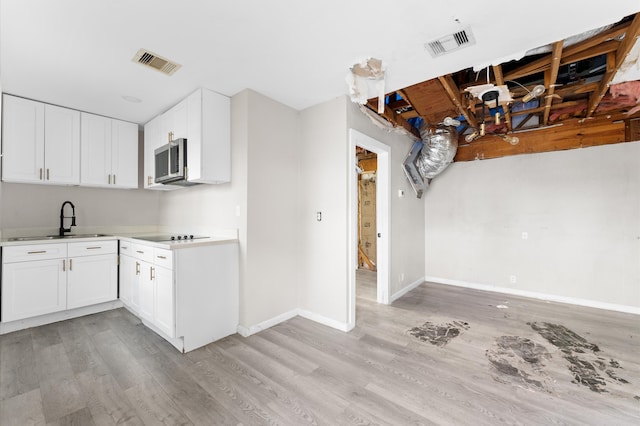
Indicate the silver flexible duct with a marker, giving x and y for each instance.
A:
(440, 146)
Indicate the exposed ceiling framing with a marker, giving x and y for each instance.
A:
(576, 109)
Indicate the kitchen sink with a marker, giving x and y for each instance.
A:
(58, 237)
(80, 236)
(45, 237)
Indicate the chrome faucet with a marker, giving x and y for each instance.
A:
(63, 217)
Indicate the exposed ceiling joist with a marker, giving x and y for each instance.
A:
(551, 78)
(497, 71)
(454, 93)
(623, 50)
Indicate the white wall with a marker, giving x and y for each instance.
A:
(580, 208)
(323, 187)
(407, 213)
(264, 137)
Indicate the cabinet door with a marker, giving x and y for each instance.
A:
(33, 288)
(124, 154)
(164, 317)
(135, 285)
(91, 280)
(146, 291)
(22, 140)
(96, 150)
(175, 121)
(128, 274)
(61, 145)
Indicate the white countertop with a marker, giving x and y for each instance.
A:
(180, 244)
(170, 245)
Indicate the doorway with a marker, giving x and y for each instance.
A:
(366, 279)
(359, 142)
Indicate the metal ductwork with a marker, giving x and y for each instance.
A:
(431, 155)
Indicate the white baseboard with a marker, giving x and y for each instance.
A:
(248, 331)
(9, 327)
(398, 294)
(542, 296)
(338, 325)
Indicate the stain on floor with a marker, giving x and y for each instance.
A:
(519, 361)
(439, 334)
(585, 363)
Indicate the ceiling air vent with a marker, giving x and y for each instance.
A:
(156, 62)
(450, 42)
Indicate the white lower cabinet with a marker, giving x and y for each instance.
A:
(39, 279)
(91, 279)
(33, 288)
(146, 291)
(164, 301)
(189, 295)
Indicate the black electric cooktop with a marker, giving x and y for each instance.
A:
(173, 237)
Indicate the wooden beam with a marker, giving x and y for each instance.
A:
(623, 50)
(572, 134)
(597, 39)
(454, 93)
(497, 71)
(393, 118)
(550, 79)
(594, 46)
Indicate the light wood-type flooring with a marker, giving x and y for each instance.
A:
(439, 355)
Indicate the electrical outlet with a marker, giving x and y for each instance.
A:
(525, 235)
(513, 279)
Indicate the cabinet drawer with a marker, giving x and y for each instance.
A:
(33, 252)
(141, 252)
(162, 257)
(90, 248)
(126, 248)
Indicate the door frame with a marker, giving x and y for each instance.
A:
(383, 195)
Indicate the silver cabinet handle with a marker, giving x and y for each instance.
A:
(139, 251)
(64, 265)
(94, 248)
(151, 276)
(37, 252)
(137, 268)
(114, 179)
(47, 174)
(40, 173)
(162, 257)
(71, 264)
(109, 180)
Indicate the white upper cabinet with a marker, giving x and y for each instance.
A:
(109, 152)
(209, 137)
(124, 154)
(40, 142)
(204, 119)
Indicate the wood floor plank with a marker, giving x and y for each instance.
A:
(197, 404)
(153, 406)
(18, 367)
(22, 409)
(106, 401)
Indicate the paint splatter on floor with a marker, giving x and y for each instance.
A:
(439, 334)
(588, 368)
(519, 361)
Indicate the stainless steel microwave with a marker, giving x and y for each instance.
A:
(171, 162)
